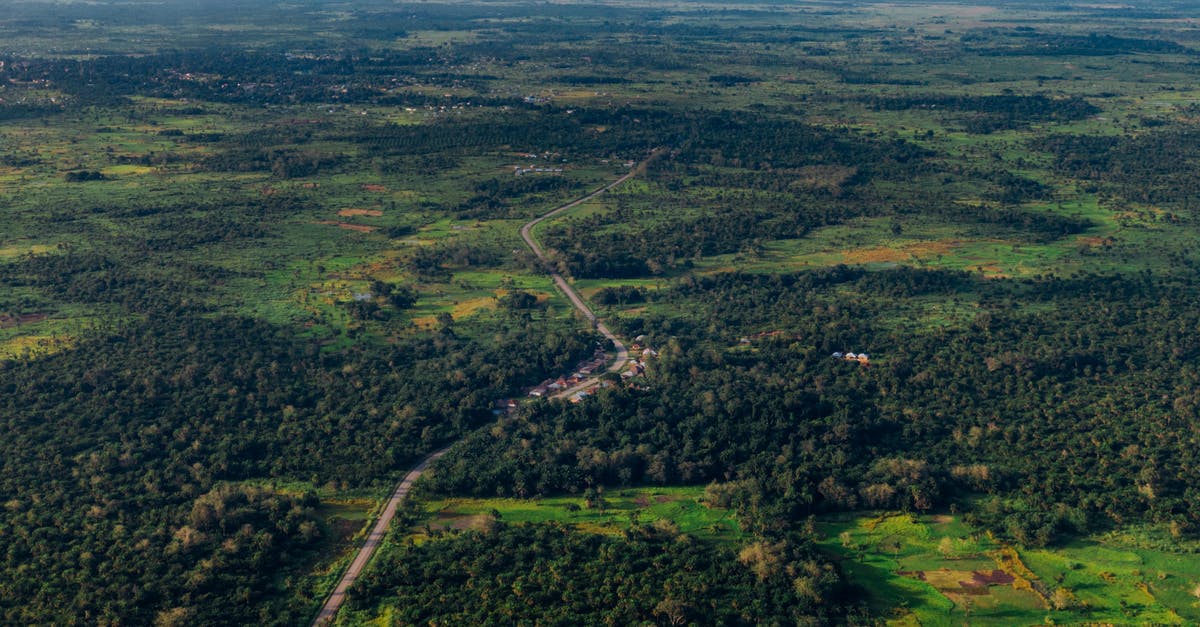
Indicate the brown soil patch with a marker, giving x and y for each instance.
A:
(941, 519)
(361, 228)
(371, 187)
(11, 321)
(903, 253)
(470, 306)
(662, 498)
(642, 501)
(459, 521)
(310, 185)
(345, 213)
(946, 579)
(344, 529)
(995, 578)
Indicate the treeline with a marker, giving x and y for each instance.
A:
(628, 132)
(624, 243)
(1037, 44)
(1152, 167)
(762, 143)
(545, 573)
(993, 113)
(496, 197)
(283, 163)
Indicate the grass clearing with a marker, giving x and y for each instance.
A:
(935, 570)
(622, 509)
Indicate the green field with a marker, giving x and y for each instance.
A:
(937, 570)
(622, 508)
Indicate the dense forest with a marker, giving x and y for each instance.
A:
(545, 573)
(1010, 405)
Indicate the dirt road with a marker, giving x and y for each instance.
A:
(334, 603)
(565, 288)
(330, 609)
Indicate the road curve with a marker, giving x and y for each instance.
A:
(334, 602)
(565, 288)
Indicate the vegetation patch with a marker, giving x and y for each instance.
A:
(612, 512)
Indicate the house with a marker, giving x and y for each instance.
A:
(539, 391)
(838, 355)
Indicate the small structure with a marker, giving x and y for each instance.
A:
(861, 358)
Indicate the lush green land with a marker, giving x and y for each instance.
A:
(255, 261)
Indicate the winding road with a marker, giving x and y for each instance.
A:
(367, 551)
(565, 288)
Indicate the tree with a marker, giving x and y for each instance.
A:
(946, 547)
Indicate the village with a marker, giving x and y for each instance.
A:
(583, 381)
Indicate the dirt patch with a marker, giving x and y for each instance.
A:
(16, 321)
(827, 177)
(995, 578)
(642, 501)
(470, 306)
(361, 228)
(459, 522)
(662, 498)
(371, 187)
(345, 213)
(945, 579)
(917, 250)
(344, 529)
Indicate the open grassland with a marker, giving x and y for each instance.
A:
(937, 570)
(679, 508)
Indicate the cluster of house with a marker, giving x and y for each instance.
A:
(861, 358)
(518, 170)
(582, 371)
(629, 163)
